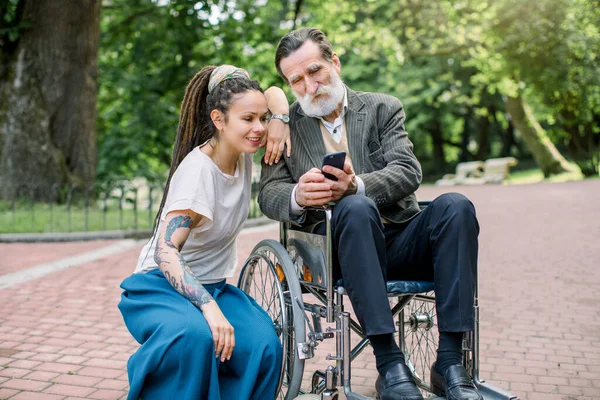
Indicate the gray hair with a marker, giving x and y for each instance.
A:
(295, 39)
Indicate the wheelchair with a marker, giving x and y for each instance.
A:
(281, 275)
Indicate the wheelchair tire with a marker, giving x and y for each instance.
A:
(269, 276)
(418, 327)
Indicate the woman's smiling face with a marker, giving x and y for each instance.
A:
(246, 122)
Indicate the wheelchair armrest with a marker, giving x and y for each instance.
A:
(424, 203)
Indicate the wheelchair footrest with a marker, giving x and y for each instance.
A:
(491, 392)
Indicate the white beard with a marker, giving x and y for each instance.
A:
(331, 97)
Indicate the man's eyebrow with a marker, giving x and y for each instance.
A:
(294, 77)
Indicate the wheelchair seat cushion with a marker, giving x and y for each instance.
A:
(403, 287)
(408, 287)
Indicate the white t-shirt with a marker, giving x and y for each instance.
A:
(199, 185)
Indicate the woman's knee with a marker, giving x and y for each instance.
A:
(273, 345)
(190, 339)
(272, 352)
(266, 339)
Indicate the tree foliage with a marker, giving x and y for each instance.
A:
(149, 52)
(453, 64)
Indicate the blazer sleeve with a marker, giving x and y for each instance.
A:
(401, 175)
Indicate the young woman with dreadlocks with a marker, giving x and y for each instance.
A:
(200, 337)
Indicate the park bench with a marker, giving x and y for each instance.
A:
(493, 170)
(497, 170)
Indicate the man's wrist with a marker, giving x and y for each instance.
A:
(295, 208)
(360, 186)
(353, 187)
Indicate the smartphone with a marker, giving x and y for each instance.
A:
(335, 160)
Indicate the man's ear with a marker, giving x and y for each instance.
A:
(218, 119)
(336, 63)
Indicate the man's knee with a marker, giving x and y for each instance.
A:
(456, 203)
(355, 208)
(457, 210)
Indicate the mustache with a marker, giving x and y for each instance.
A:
(321, 90)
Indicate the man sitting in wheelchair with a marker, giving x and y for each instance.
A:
(379, 232)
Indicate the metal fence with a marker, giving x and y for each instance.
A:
(122, 205)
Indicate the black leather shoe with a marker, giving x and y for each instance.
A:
(397, 384)
(456, 384)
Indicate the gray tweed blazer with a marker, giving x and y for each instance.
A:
(381, 155)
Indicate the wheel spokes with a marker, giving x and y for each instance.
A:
(420, 335)
(265, 286)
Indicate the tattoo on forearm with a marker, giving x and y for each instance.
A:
(192, 289)
(167, 253)
(172, 280)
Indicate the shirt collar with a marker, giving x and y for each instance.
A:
(342, 115)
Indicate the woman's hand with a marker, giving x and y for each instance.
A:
(278, 132)
(277, 137)
(221, 329)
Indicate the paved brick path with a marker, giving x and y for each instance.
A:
(61, 336)
(19, 256)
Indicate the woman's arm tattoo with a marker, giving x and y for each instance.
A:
(167, 254)
(182, 221)
(172, 280)
(191, 288)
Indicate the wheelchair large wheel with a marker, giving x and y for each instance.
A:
(419, 337)
(270, 278)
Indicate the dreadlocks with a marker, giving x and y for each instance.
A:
(195, 126)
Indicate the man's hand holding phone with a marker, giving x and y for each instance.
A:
(345, 184)
(335, 180)
(313, 190)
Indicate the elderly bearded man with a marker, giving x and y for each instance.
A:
(379, 232)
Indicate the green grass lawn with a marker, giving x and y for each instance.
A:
(535, 175)
(43, 218)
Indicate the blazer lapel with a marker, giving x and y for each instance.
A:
(357, 137)
(309, 135)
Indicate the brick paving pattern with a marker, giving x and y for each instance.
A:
(62, 337)
(19, 256)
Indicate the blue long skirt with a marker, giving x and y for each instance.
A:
(176, 359)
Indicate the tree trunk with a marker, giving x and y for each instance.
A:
(545, 154)
(439, 156)
(48, 100)
(483, 145)
(508, 140)
(464, 154)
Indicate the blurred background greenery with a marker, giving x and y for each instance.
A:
(478, 78)
(454, 65)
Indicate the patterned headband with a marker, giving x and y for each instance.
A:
(224, 72)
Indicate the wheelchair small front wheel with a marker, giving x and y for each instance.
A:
(269, 277)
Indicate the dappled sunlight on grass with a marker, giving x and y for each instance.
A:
(535, 175)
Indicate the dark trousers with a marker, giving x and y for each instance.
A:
(439, 245)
